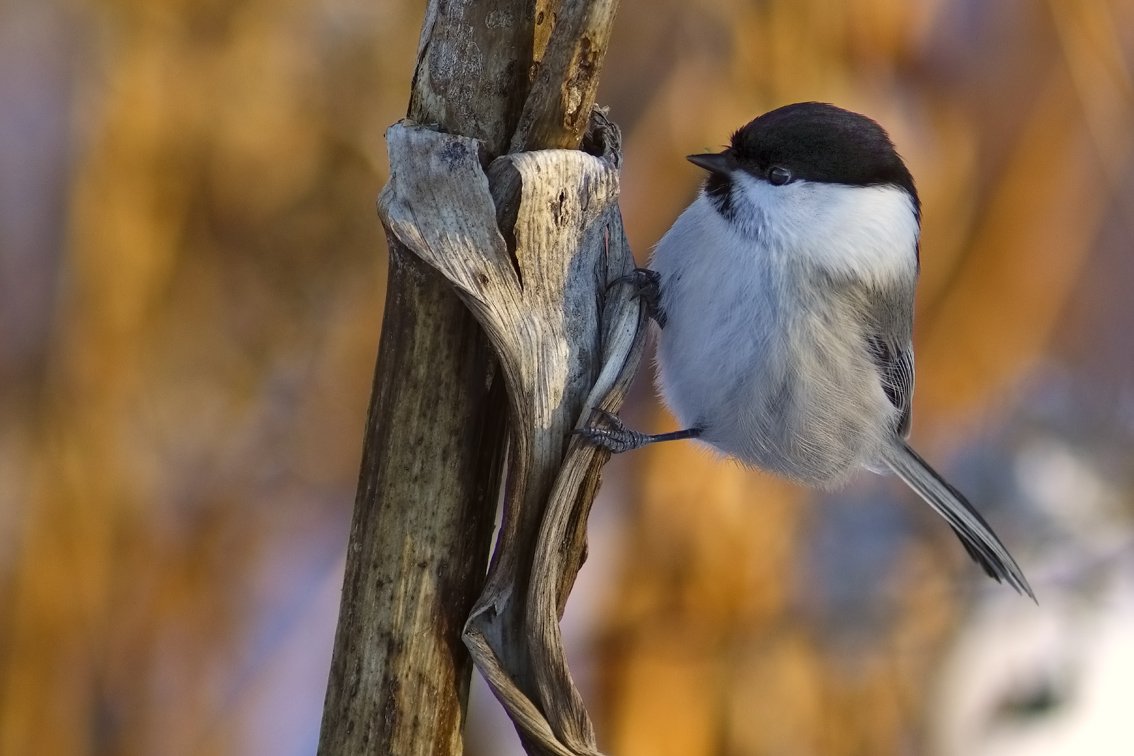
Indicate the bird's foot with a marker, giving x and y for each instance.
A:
(612, 434)
(647, 287)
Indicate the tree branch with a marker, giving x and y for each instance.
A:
(431, 459)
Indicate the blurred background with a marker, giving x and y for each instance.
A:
(191, 285)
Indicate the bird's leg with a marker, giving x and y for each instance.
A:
(615, 437)
(647, 287)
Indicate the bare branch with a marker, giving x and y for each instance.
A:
(565, 344)
(432, 452)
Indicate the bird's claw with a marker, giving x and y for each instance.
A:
(613, 435)
(647, 287)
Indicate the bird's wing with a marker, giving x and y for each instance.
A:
(886, 313)
(896, 367)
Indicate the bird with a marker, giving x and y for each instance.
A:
(784, 300)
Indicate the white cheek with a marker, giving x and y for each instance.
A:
(867, 232)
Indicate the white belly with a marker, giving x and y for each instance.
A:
(812, 412)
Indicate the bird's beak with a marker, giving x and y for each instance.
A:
(714, 162)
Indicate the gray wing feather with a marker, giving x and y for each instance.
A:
(888, 315)
(896, 366)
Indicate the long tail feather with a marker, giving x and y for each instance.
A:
(977, 536)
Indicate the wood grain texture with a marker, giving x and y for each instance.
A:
(558, 108)
(434, 438)
(473, 65)
(435, 431)
(408, 585)
(566, 342)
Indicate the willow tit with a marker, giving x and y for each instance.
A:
(785, 296)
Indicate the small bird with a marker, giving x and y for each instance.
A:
(785, 295)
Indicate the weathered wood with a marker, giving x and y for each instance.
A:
(558, 109)
(435, 432)
(432, 451)
(566, 343)
(407, 586)
(473, 63)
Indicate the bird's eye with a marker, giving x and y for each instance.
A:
(778, 175)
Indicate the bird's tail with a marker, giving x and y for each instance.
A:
(976, 534)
